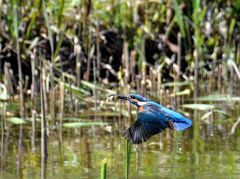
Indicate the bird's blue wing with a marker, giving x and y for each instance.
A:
(151, 122)
(147, 125)
(178, 120)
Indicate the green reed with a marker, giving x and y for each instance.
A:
(127, 159)
(16, 37)
(104, 169)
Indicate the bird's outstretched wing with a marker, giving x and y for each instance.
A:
(154, 119)
(176, 120)
(146, 126)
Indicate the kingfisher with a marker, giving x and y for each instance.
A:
(152, 119)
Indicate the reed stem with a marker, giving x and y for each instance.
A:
(15, 24)
(43, 117)
(128, 156)
(104, 169)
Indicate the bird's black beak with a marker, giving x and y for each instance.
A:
(124, 97)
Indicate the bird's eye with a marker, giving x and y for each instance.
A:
(131, 96)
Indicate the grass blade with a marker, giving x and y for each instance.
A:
(82, 124)
(199, 106)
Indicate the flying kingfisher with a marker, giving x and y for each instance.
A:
(152, 119)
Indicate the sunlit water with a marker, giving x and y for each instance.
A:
(80, 154)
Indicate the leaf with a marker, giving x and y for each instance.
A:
(196, 4)
(182, 93)
(221, 112)
(96, 86)
(76, 90)
(206, 115)
(218, 97)
(82, 124)
(71, 119)
(170, 84)
(179, 17)
(199, 106)
(105, 114)
(16, 120)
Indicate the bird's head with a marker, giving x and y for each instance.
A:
(135, 99)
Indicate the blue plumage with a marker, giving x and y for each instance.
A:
(179, 121)
(152, 119)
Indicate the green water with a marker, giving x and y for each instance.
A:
(80, 151)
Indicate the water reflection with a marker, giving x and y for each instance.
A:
(79, 152)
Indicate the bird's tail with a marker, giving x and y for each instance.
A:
(182, 123)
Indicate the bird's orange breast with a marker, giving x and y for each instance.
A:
(141, 108)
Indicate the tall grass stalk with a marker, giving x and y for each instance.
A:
(126, 62)
(43, 116)
(179, 17)
(0, 48)
(86, 11)
(50, 37)
(7, 79)
(36, 12)
(2, 136)
(21, 95)
(143, 66)
(16, 36)
(33, 93)
(61, 94)
(20, 151)
(61, 98)
(128, 157)
(43, 167)
(179, 69)
(197, 17)
(77, 51)
(34, 131)
(98, 52)
(60, 12)
(94, 90)
(1, 3)
(104, 169)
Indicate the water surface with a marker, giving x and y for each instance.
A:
(80, 151)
